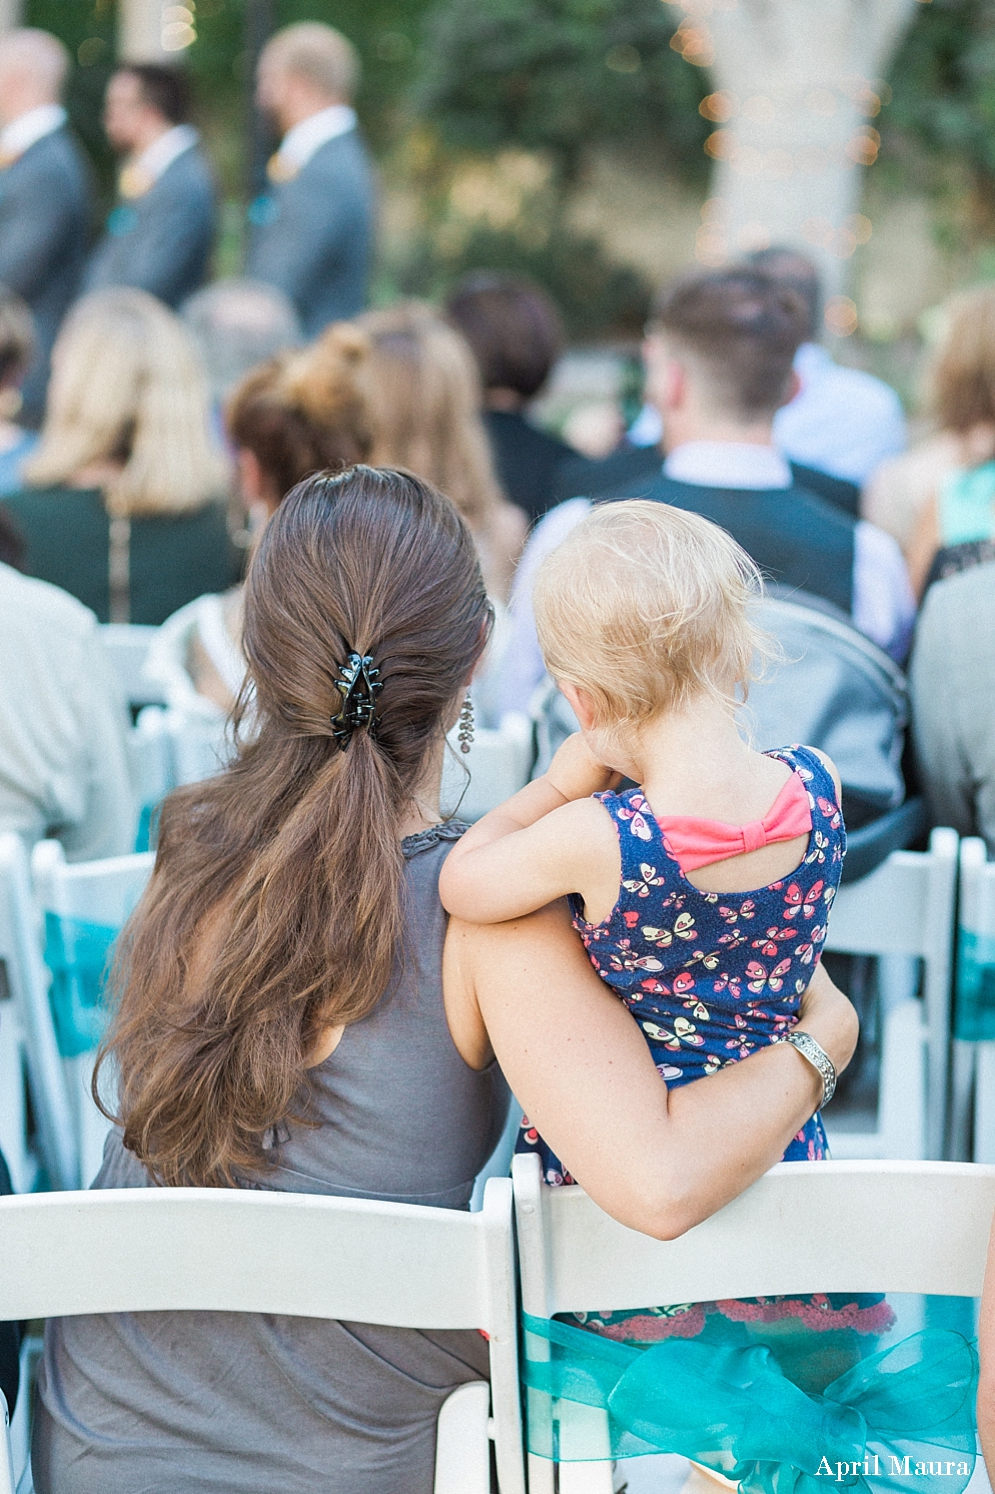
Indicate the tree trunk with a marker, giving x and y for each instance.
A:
(154, 30)
(797, 91)
(11, 14)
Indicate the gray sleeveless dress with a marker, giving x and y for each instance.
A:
(224, 1403)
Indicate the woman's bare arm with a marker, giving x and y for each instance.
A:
(923, 546)
(658, 1160)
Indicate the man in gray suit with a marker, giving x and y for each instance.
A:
(313, 229)
(44, 213)
(161, 230)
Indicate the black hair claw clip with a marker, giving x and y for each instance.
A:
(358, 683)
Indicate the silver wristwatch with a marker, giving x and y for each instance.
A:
(818, 1058)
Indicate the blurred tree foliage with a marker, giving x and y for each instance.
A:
(943, 90)
(561, 76)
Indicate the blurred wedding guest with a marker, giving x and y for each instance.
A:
(842, 421)
(299, 413)
(44, 188)
(124, 497)
(426, 399)
(718, 359)
(16, 347)
(63, 763)
(515, 333)
(953, 701)
(160, 232)
(312, 230)
(955, 525)
(237, 325)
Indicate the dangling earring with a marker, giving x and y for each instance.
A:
(466, 725)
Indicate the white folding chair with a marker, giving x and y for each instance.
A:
(498, 765)
(201, 747)
(212, 1249)
(27, 1038)
(905, 908)
(127, 644)
(974, 1014)
(919, 1227)
(100, 893)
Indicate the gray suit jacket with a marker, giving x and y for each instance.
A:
(313, 236)
(44, 229)
(161, 242)
(953, 701)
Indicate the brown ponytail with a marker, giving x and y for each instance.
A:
(287, 867)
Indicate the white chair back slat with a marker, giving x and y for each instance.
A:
(918, 1227)
(190, 1249)
(104, 892)
(905, 908)
(127, 645)
(805, 1227)
(20, 950)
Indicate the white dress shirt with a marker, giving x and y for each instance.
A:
(27, 129)
(63, 756)
(300, 143)
(161, 154)
(883, 604)
(842, 421)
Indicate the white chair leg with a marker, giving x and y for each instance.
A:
(984, 1103)
(902, 1093)
(462, 1450)
(91, 1126)
(586, 1478)
(6, 1459)
(541, 1475)
(962, 1082)
(13, 1114)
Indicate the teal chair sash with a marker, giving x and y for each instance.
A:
(78, 954)
(904, 1417)
(974, 1004)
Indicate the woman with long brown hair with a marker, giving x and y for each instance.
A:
(292, 1013)
(425, 398)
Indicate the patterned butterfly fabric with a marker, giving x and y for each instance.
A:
(711, 977)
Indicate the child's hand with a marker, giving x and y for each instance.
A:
(576, 773)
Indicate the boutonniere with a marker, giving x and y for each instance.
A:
(280, 170)
(134, 182)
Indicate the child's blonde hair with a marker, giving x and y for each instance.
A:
(645, 606)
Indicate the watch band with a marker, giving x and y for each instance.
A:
(818, 1058)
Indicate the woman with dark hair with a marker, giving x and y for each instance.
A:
(516, 336)
(293, 1013)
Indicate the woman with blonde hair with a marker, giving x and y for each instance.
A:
(938, 497)
(124, 497)
(425, 405)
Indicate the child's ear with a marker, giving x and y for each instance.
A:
(582, 703)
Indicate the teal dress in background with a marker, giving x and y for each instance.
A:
(171, 559)
(965, 513)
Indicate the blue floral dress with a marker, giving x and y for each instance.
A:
(710, 978)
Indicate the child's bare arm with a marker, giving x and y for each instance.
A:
(542, 843)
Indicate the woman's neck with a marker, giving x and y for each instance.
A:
(423, 807)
